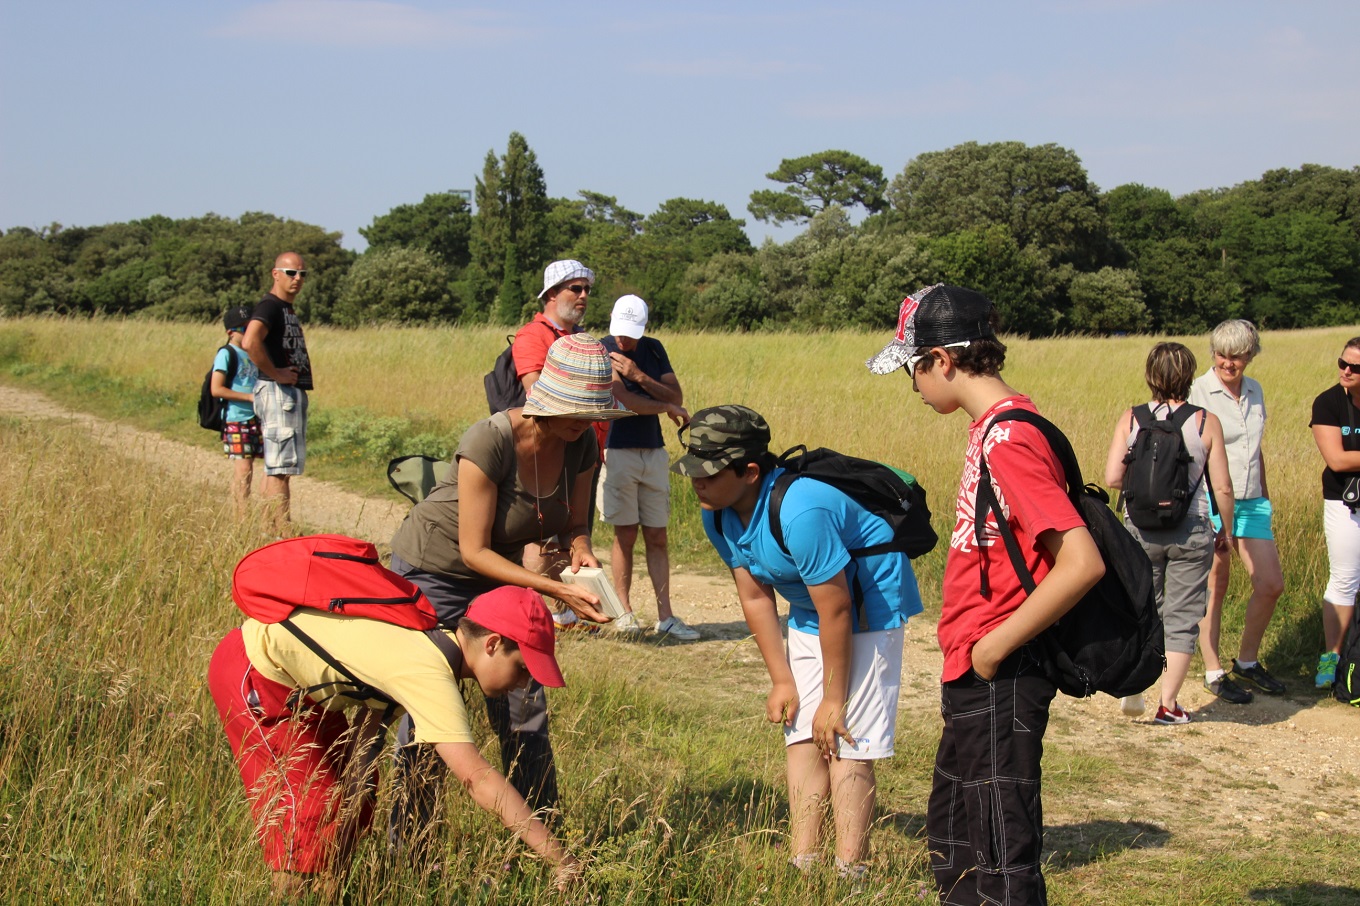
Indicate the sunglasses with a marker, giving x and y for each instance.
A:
(580, 289)
(1352, 367)
(292, 271)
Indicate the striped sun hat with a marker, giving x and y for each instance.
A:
(576, 382)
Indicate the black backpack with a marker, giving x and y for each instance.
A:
(1347, 687)
(890, 493)
(1157, 490)
(1112, 639)
(504, 390)
(212, 412)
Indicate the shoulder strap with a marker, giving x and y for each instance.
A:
(986, 501)
(361, 690)
(1182, 415)
(447, 647)
(1143, 415)
(776, 505)
(773, 509)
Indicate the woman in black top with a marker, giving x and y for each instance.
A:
(1336, 429)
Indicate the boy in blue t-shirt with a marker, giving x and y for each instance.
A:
(241, 433)
(835, 690)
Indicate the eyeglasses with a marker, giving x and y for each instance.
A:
(1352, 367)
(580, 289)
(292, 271)
(914, 360)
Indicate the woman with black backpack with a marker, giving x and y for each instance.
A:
(1158, 457)
(1336, 430)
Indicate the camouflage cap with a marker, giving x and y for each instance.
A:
(718, 437)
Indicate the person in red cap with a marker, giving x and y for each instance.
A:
(309, 771)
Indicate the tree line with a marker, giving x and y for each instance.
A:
(1022, 223)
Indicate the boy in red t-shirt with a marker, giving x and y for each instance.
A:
(985, 816)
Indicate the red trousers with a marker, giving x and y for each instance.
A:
(291, 762)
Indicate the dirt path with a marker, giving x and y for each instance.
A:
(1252, 771)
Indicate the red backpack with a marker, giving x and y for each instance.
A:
(327, 572)
(341, 575)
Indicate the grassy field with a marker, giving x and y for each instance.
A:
(116, 785)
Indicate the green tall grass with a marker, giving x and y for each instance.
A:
(387, 391)
(116, 784)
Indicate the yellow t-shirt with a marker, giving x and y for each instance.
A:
(401, 662)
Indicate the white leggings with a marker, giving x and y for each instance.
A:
(1342, 528)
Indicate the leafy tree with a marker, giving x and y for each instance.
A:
(725, 292)
(1108, 301)
(835, 275)
(1041, 194)
(815, 182)
(1136, 213)
(703, 228)
(441, 224)
(990, 261)
(395, 284)
(1185, 289)
(512, 210)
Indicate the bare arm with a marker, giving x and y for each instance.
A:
(1337, 458)
(1119, 448)
(1077, 566)
(221, 391)
(762, 617)
(490, 790)
(665, 389)
(477, 495)
(253, 344)
(1220, 479)
(834, 632)
(529, 380)
(643, 405)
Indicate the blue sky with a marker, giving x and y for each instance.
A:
(334, 111)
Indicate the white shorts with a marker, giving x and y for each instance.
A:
(1342, 528)
(875, 683)
(636, 487)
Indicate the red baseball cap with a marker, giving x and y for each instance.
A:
(520, 615)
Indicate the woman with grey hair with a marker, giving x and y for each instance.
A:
(1239, 403)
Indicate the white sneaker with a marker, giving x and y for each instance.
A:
(676, 629)
(626, 624)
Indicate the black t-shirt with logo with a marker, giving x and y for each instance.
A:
(284, 341)
(640, 431)
(1333, 406)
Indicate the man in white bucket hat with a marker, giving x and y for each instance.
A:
(565, 294)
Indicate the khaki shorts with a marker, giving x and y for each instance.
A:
(282, 411)
(875, 685)
(636, 487)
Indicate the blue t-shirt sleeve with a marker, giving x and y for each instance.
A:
(221, 362)
(813, 536)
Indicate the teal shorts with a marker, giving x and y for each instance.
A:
(1251, 519)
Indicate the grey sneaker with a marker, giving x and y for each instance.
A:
(676, 629)
(1229, 691)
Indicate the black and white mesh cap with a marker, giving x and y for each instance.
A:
(935, 316)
